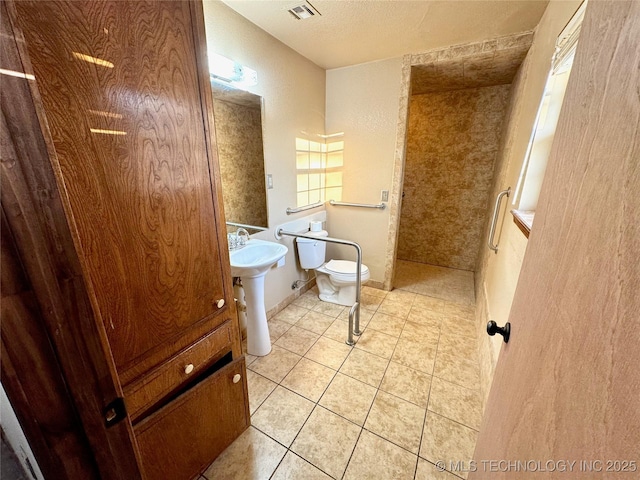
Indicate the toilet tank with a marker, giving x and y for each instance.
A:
(312, 252)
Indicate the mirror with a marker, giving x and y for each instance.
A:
(238, 124)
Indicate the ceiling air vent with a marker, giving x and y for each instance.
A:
(303, 11)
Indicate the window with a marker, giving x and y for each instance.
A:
(319, 169)
(535, 164)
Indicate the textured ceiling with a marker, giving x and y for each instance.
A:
(481, 68)
(350, 32)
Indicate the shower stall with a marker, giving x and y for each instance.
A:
(459, 99)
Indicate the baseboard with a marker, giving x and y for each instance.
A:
(374, 284)
(486, 356)
(284, 303)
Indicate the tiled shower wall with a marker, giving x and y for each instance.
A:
(453, 139)
(239, 139)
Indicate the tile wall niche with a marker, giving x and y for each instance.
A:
(239, 139)
(453, 139)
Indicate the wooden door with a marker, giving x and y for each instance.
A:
(112, 237)
(567, 385)
(54, 367)
(121, 89)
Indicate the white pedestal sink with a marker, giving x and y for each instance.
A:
(251, 263)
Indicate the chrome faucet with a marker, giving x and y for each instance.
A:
(238, 239)
(242, 237)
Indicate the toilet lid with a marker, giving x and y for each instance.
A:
(344, 267)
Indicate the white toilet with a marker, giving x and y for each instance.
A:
(336, 279)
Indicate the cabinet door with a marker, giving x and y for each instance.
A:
(121, 94)
(181, 439)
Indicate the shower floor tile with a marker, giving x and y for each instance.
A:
(415, 391)
(440, 282)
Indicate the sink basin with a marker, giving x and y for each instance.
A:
(251, 263)
(255, 258)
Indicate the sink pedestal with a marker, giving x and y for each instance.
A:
(258, 340)
(251, 263)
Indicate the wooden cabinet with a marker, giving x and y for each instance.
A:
(168, 448)
(126, 120)
(119, 94)
(148, 389)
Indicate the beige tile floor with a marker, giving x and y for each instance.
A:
(403, 398)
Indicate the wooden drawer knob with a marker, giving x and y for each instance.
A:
(220, 303)
(236, 378)
(188, 369)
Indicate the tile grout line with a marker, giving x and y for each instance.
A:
(452, 420)
(316, 404)
(424, 422)
(365, 421)
(435, 413)
(378, 388)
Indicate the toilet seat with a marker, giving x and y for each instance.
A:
(344, 267)
(344, 270)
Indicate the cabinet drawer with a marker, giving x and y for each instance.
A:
(177, 371)
(183, 437)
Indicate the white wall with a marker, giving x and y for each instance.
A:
(293, 89)
(15, 436)
(362, 102)
(497, 274)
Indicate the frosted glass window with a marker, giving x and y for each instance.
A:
(303, 199)
(302, 144)
(315, 146)
(319, 171)
(314, 181)
(302, 160)
(334, 159)
(315, 160)
(314, 196)
(302, 182)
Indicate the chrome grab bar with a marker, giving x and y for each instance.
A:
(354, 313)
(380, 206)
(250, 227)
(302, 209)
(494, 220)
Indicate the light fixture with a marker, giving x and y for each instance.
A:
(225, 69)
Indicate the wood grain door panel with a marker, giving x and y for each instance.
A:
(567, 385)
(48, 301)
(171, 375)
(181, 439)
(43, 405)
(123, 104)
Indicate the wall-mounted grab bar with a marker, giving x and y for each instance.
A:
(494, 220)
(302, 209)
(250, 227)
(354, 312)
(380, 206)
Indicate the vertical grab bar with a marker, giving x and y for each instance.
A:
(354, 313)
(494, 220)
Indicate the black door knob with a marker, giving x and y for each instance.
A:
(493, 328)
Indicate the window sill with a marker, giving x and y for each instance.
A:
(524, 220)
